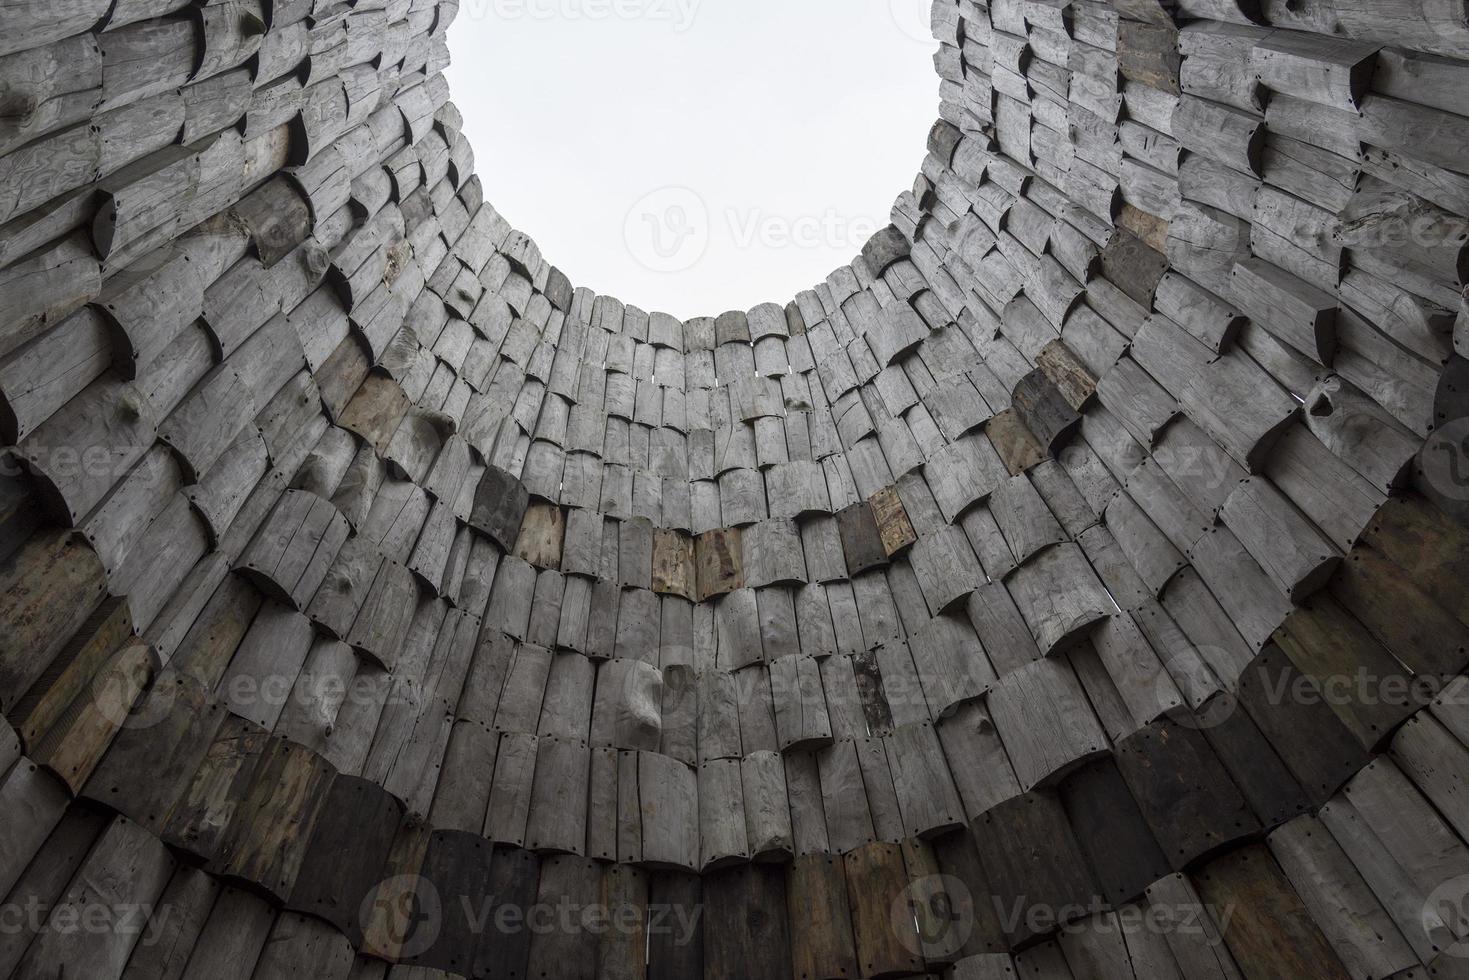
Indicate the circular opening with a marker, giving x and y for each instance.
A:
(695, 156)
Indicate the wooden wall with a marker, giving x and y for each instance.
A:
(1072, 586)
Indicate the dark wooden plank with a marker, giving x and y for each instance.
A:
(349, 848)
(862, 541)
(456, 871)
(1372, 693)
(569, 949)
(1272, 791)
(1293, 715)
(1036, 871)
(1419, 631)
(1044, 411)
(153, 759)
(1017, 447)
(746, 929)
(1269, 932)
(1111, 831)
(504, 951)
(969, 900)
(48, 588)
(500, 503)
(1183, 792)
(675, 926)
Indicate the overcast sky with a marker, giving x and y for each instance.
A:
(695, 156)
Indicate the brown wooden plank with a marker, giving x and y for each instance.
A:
(268, 838)
(719, 556)
(1270, 933)
(48, 588)
(823, 946)
(1018, 448)
(877, 878)
(893, 525)
(673, 564)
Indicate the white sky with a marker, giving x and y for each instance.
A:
(695, 156)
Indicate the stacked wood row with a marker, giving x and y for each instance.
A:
(1087, 549)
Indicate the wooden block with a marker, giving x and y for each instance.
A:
(349, 848)
(1271, 930)
(390, 929)
(291, 784)
(1417, 630)
(566, 952)
(375, 412)
(500, 505)
(719, 559)
(1060, 597)
(51, 585)
(926, 795)
(541, 534)
(504, 949)
(1329, 646)
(1253, 764)
(1184, 794)
(382, 624)
(893, 525)
(823, 946)
(1339, 900)
(510, 794)
(137, 867)
(1111, 831)
(558, 812)
(676, 926)
(457, 868)
(301, 944)
(1295, 718)
(862, 542)
(1031, 861)
(74, 744)
(746, 930)
(149, 766)
(723, 838)
(673, 564)
(877, 879)
(801, 719)
(1424, 542)
(622, 952)
(1047, 725)
(290, 556)
(767, 809)
(1017, 447)
(844, 797)
(1043, 410)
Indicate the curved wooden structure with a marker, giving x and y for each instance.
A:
(1071, 587)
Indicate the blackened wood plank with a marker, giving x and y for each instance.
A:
(348, 850)
(1183, 792)
(746, 931)
(1110, 829)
